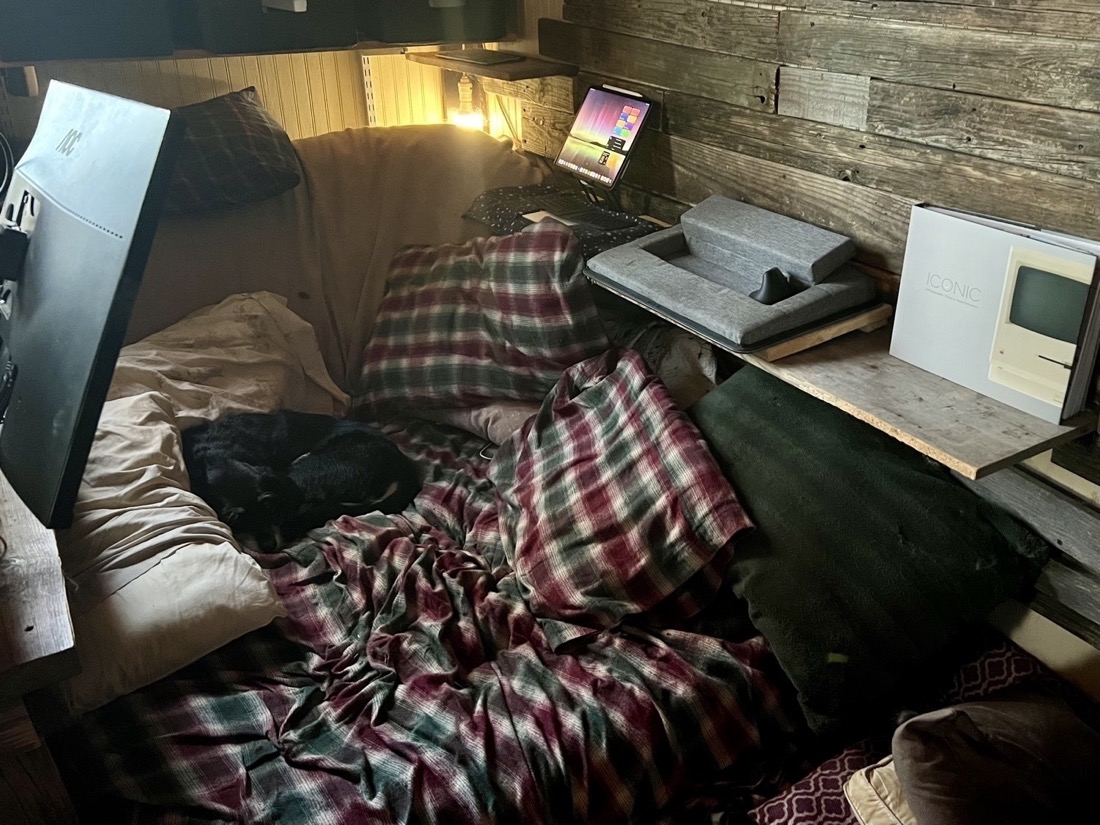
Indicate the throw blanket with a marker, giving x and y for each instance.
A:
(505, 651)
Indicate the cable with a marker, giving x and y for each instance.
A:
(7, 165)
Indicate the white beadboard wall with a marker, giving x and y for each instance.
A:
(403, 92)
(310, 93)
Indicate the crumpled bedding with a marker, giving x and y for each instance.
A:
(412, 681)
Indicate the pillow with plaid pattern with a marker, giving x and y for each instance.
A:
(611, 504)
(495, 319)
(234, 152)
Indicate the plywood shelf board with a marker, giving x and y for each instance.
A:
(964, 430)
(525, 69)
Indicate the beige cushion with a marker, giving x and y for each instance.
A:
(155, 580)
(876, 796)
(326, 245)
(493, 422)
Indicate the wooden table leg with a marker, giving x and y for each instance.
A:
(31, 790)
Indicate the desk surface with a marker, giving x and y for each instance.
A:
(36, 634)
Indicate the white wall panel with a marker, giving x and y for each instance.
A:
(308, 93)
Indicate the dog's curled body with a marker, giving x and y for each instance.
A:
(276, 475)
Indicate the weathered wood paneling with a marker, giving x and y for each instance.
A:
(986, 105)
(1062, 18)
(551, 92)
(738, 80)
(1062, 141)
(689, 171)
(544, 129)
(703, 24)
(839, 99)
(908, 169)
(1027, 67)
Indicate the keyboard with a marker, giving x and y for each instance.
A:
(573, 207)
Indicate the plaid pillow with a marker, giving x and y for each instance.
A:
(234, 152)
(491, 320)
(611, 505)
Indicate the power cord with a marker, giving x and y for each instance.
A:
(7, 165)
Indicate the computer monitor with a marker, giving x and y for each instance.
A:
(603, 135)
(78, 222)
(1035, 340)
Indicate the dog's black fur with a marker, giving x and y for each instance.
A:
(273, 476)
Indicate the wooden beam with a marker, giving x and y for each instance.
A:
(544, 129)
(743, 30)
(550, 92)
(1017, 66)
(907, 169)
(737, 80)
(1062, 141)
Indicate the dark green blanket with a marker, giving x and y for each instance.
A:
(867, 558)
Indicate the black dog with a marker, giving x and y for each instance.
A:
(276, 475)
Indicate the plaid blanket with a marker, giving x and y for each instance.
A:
(414, 682)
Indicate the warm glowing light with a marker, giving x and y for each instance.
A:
(467, 120)
(466, 115)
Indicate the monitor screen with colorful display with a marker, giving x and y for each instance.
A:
(603, 134)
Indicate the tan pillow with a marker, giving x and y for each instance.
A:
(876, 796)
(494, 422)
(155, 580)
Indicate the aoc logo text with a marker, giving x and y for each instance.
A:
(68, 143)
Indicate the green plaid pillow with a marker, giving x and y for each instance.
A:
(234, 152)
(495, 319)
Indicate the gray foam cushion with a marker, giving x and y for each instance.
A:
(658, 271)
(748, 240)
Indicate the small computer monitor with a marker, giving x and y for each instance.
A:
(84, 203)
(1042, 308)
(603, 135)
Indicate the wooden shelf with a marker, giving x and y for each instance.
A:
(524, 69)
(966, 431)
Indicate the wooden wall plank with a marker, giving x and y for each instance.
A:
(839, 99)
(1017, 66)
(737, 80)
(544, 129)
(1062, 141)
(702, 24)
(1068, 18)
(549, 92)
(903, 168)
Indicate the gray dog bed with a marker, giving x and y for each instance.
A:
(701, 273)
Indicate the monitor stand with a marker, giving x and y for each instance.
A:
(610, 197)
